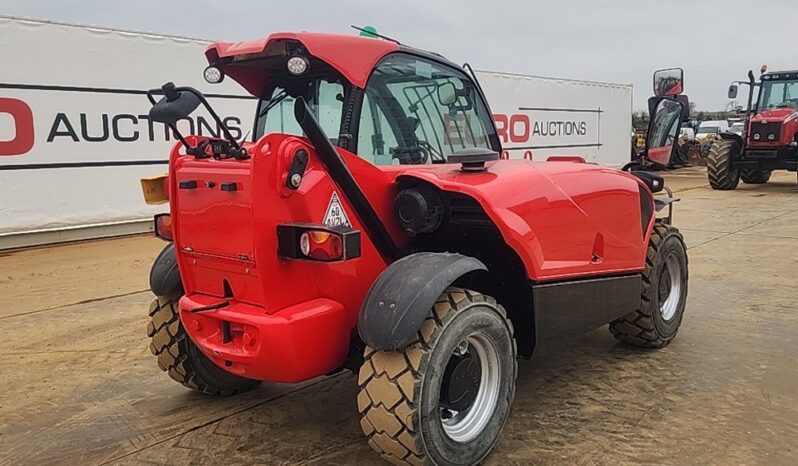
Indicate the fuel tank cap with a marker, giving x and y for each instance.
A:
(473, 159)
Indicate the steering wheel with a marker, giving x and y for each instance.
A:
(415, 155)
(436, 155)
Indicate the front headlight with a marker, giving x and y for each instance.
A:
(757, 136)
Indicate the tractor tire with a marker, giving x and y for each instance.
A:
(182, 360)
(414, 413)
(663, 295)
(722, 173)
(755, 176)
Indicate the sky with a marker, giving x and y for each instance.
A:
(620, 41)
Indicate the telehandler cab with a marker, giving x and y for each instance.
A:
(370, 225)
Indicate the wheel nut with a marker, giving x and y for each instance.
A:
(249, 339)
(196, 324)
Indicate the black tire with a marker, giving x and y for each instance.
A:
(755, 176)
(650, 326)
(400, 391)
(182, 360)
(722, 173)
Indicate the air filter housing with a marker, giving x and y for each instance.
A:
(419, 209)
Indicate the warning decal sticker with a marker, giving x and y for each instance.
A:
(335, 213)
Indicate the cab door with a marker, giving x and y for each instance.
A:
(419, 111)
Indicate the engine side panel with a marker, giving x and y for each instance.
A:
(564, 219)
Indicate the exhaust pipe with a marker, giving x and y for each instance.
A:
(343, 178)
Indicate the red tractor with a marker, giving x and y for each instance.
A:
(374, 228)
(770, 135)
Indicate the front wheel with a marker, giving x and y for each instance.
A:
(663, 295)
(445, 399)
(721, 171)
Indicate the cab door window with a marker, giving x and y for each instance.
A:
(416, 111)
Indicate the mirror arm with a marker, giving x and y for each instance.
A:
(240, 153)
(215, 116)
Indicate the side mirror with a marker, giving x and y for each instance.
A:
(447, 94)
(663, 130)
(733, 91)
(175, 105)
(668, 82)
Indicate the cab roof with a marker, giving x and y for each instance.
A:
(352, 56)
(780, 75)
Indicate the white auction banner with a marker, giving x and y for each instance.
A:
(75, 137)
(538, 117)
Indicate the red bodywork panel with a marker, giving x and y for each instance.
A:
(555, 215)
(353, 56)
(788, 117)
(292, 320)
(222, 236)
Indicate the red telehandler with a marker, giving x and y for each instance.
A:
(369, 225)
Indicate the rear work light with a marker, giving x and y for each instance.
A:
(317, 242)
(163, 226)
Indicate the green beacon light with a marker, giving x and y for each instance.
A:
(368, 31)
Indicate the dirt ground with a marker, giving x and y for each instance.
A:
(79, 385)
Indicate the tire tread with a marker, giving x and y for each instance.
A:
(169, 344)
(637, 328)
(388, 414)
(719, 166)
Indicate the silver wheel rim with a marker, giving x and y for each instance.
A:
(466, 425)
(672, 278)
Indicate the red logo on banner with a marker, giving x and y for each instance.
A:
(22, 118)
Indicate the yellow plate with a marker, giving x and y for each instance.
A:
(154, 189)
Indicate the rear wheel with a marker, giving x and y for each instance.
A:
(182, 360)
(663, 295)
(445, 398)
(755, 176)
(721, 171)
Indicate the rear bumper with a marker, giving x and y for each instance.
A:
(293, 344)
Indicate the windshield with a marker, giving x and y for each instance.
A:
(416, 111)
(708, 129)
(737, 127)
(778, 94)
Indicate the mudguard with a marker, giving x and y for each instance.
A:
(404, 293)
(164, 275)
(732, 137)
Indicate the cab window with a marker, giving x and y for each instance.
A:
(416, 111)
(324, 97)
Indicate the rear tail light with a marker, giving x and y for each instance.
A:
(317, 242)
(163, 226)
